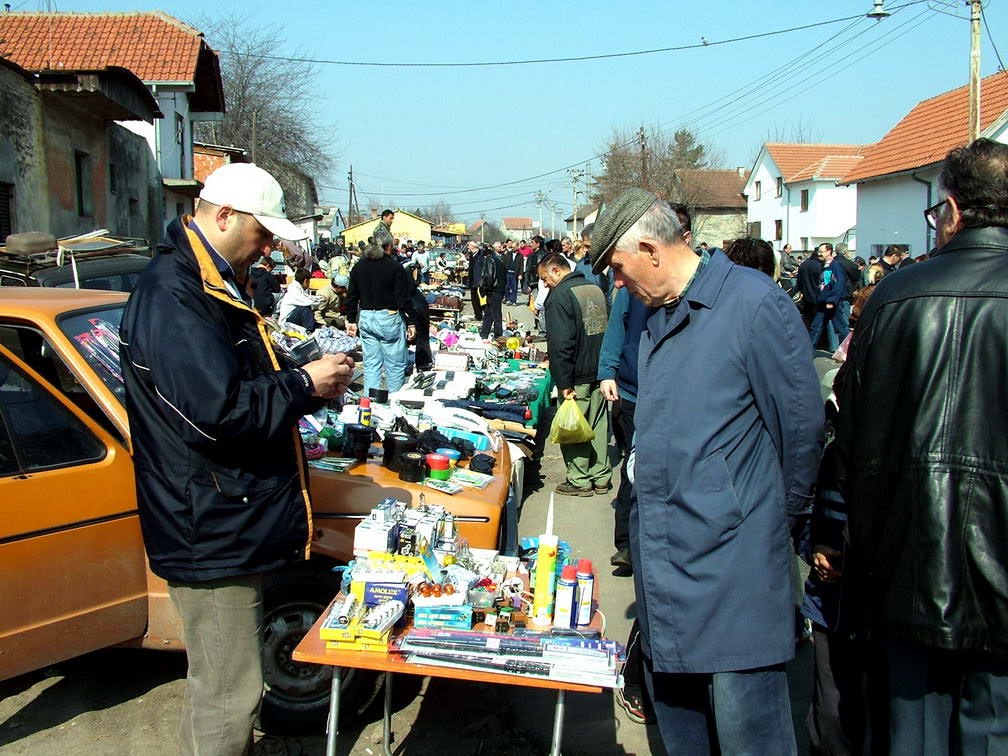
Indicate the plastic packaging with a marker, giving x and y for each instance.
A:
(545, 580)
(585, 591)
(565, 607)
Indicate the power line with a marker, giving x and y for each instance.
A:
(991, 38)
(572, 59)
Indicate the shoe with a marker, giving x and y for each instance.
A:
(603, 489)
(632, 700)
(621, 558)
(569, 489)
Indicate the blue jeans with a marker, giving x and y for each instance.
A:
(739, 713)
(511, 294)
(824, 319)
(383, 339)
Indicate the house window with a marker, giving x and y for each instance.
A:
(804, 242)
(780, 186)
(804, 200)
(755, 229)
(82, 177)
(7, 217)
(778, 226)
(758, 190)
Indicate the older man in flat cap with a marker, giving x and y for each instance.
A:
(729, 432)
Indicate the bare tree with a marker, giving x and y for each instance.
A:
(649, 158)
(437, 213)
(268, 101)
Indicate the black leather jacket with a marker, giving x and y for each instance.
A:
(922, 427)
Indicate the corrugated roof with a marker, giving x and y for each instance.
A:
(153, 45)
(714, 188)
(931, 129)
(802, 160)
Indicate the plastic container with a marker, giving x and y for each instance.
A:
(364, 413)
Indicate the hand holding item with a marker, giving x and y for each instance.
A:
(351, 329)
(826, 563)
(330, 375)
(568, 393)
(608, 390)
(410, 332)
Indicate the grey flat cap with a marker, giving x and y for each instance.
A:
(615, 220)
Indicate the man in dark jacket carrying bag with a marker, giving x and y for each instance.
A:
(222, 490)
(920, 430)
(576, 319)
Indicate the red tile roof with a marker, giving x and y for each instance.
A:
(931, 129)
(713, 188)
(153, 45)
(802, 162)
(515, 224)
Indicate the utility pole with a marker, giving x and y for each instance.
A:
(974, 79)
(482, 227)
(643, 157)
(353, 209)
(575, 174)
(540, 199)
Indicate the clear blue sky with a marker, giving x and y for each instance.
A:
(415, 135)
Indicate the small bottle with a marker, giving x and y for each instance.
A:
(585, 590)
(364, 412)
(566, 590)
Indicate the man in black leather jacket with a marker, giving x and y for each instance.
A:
(921, 430)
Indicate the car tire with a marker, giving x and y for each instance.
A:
(296, 698)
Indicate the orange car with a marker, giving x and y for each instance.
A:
(75, 576)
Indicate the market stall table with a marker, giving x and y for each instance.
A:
(313, 649)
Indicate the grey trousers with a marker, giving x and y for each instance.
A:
(222, 626)
(952, 702)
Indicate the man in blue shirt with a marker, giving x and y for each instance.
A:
(729, 432)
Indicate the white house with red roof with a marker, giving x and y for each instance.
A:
(169, 56)
(898, 178)
(517, 228)
(793, 195)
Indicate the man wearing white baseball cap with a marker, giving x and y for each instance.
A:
(222, 492)
(247, 188)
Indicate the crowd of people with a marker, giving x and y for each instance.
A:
(700, 363)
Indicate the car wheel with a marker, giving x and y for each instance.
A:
(296, 697)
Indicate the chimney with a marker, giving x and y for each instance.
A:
(741, 171)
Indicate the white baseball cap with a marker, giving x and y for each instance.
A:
(249, 189)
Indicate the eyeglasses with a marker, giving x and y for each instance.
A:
(931, 214)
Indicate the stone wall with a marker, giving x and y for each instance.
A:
(716, 227)
(22, 160)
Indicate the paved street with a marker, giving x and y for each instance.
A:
(128, 701)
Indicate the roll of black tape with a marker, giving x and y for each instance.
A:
(356, 441)
(395, 445)
(411, 467)
(378, 395)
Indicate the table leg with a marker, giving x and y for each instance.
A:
(387, 721)
(332, 725)
(558, 718)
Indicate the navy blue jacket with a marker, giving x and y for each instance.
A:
(222, 488)
(729, 435)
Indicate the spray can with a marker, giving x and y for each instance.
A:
(585, 590)
(364, 412)
(565, 607)
(545, 580)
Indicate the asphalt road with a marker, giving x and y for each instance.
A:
(128, 701)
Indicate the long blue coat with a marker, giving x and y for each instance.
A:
(729, 434)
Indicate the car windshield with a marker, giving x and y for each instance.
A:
(95, 333)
